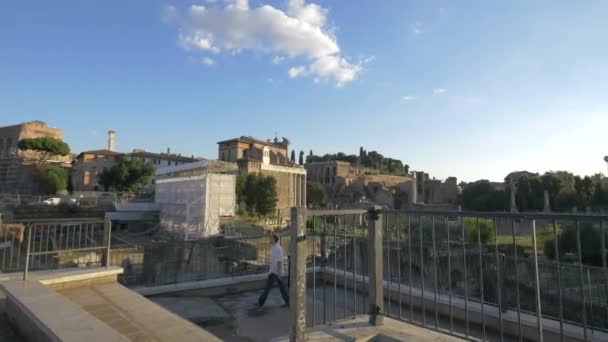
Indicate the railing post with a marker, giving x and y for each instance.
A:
(376, 273)
(297, 289)
(27, 251)
(107, 226)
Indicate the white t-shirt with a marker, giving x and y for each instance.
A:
(276, 259)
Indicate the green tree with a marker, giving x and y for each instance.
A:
(315, 195)
(479, 230)
(293, 156)
(301, 158)
(126, 175)
(481, 196)
(45, 146)
(266, 201)
(554, 186)
(590, 238)
(600, 196)
(584, 188)
(52, 179)
(256, 193)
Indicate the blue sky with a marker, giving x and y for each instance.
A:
(472, 89)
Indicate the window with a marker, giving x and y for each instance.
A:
(87, 178)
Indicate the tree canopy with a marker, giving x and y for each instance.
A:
(565, 190)
(315, 195)
(52, 179)
(45, 146)
(481, 196)
(127, 175)
(256, 194)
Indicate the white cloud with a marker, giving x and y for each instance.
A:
(438, 91)
(299, 31)
(409, 98)
(296, 71)
(417, 29)
(208, 61)
(169, 13)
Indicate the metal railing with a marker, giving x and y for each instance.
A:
(477, 275)
(154, 263)
(46, 244)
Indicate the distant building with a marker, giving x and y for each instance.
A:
(336, 173)
(270, 158)
(349, 185)
(434, 191)
(87, 166)
(16, 167)
(193, 198)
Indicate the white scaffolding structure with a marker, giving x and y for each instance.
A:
(193, 197)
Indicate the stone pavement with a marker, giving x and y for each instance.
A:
(133, 315)
(358, 329)
(7, 332)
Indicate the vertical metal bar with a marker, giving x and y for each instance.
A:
(27, 252)
(435, 272)
(108, 224)
(481, 296)
(447, 226)
(498, 278)
(33, 246)
(422, 272)
(73, 236)
(345, 257)
(399, 247)
(323, 273)
(466, 280)
(41, 234)
(579, 252)
(314, 271)
(539, 312)
(4, 249)
(18, 266)
(388, 260)
(48, 238)
(517, 299)
(60, 237)
(559, 283)
(354, 253)
(409, 274)
(80, 235)
(604, 268)
(335, 243)
(590, 301)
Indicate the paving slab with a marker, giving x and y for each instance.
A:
(133, 315)
(358, 329)
(195, 309)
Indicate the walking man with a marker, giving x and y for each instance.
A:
(275, 273)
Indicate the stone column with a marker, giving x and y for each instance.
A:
(547, 207)
(298, 192)
(413, 190)
(376, 273)
(297, 276)
(513, 204)
(303, 177)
